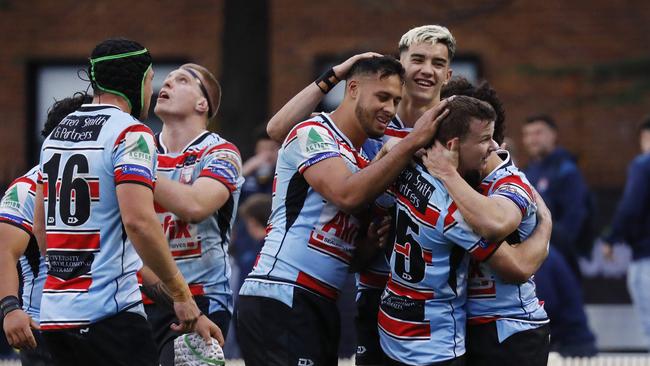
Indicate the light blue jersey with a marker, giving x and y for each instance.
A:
(310, 241)
(17, 209)
(375, 276)
(515, 307)
(201, 249)
(92, 263)
(422, 315)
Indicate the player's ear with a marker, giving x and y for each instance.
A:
(352, 87)
(202, 105)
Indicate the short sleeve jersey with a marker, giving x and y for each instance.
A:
(375, 275)
(92, 263)
(422, 315)
(201, 249)
(489, 297)
(310, 241)
(17, 209)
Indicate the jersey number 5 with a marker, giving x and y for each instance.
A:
(409, 261)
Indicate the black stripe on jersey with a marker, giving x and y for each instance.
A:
(198, 140)
(332, 127)
(33, 255)
(455, 259)
(95, 107)
(514, 237)
(294, 202)
(224, 216)
(159, 145)
(453, 318)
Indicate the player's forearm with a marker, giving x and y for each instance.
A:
(362, 187)
(9, 274)
(486, 216)
(181, 200)
(296, 110)
(150, 244)
(38, 227)
(532, 252)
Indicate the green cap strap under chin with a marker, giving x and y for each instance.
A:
(94, 61)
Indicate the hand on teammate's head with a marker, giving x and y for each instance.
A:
(426, 126)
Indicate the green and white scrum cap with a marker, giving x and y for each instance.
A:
(119, 66)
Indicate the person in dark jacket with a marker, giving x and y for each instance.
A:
(555, 175)
(631, 224)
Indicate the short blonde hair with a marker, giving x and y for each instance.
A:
(428, 34)
(209, 86)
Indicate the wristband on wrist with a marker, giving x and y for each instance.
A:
(9, 304)
(327, 81)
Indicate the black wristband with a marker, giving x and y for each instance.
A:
(327, 81)
(9, 304)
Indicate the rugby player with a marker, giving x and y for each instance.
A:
(507, 323)
(19, 245)
(197, 191)
(287, 311)
(95, 214)
(421, 318)
(425, 53)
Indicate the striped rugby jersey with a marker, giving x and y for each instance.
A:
(422, 315)
(17, 209)
(489, 297)
(201, 249)
(375, 275)
(92, 263)
(310, 241)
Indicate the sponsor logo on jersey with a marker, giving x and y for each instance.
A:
(11, 199)
(79, 128)
(315, 142)
(415, 188)
(305, 362)
(141, 150)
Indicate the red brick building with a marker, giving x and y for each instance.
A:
(585, 62)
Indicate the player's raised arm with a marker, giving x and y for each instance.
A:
(493, 217)
(350, 191)
(304, 103)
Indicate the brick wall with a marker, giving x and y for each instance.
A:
(69, 29)
(554, 56)
(540, 56)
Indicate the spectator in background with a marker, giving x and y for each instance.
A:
(560, 290)
(631, 224)
(258, 170)
(555, 175)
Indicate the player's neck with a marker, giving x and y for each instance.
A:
(177, 134)
(409, 109)
(345, 119)
(112, 99)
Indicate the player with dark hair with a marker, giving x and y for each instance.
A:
(95, 216)
(287, 305)
(19, 245)
(425, 52)
(506, 322)
(421, 318)
(197, 192)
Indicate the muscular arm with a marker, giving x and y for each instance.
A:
(494, 217)
(304, 103)
(518, 263)
(17, 323)
(191, 203)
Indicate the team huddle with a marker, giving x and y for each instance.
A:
(122, 235)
